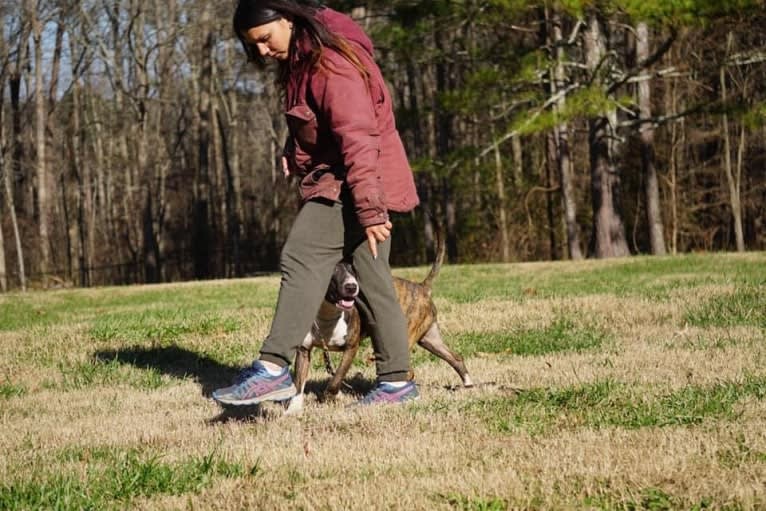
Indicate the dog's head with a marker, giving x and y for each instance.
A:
(343, 288)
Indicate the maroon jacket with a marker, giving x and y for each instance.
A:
(342, 129)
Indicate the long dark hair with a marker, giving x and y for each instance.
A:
(251, 13)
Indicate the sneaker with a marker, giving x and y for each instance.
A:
(254, 385)
(385, 393)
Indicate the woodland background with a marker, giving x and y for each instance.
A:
(138, 146)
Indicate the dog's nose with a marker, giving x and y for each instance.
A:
(350, 288)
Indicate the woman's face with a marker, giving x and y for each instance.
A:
(271, 39)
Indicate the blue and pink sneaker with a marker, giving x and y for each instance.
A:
(255, 385)
(385, 393)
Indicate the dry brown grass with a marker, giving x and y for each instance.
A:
(438, 454)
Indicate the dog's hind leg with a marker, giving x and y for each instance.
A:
(302, 365)
(433, 342)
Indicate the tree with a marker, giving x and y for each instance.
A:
(651, 185)
(608, 227)
(41, 164)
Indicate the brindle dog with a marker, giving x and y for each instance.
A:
(339, 327)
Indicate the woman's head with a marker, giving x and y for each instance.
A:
(270, 28)
(266, 27)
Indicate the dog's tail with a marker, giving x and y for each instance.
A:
(441, 250)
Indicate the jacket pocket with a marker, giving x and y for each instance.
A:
(302, 122)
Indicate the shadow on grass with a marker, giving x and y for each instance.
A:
(176, 362)
(211, 375)
(357, 385)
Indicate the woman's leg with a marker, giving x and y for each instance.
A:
(313, 247)
(388, 326)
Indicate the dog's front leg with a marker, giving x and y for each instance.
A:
(333, 387)
(302, 365)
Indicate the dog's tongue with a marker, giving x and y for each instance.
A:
(345, 304)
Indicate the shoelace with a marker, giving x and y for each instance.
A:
(370, 397)
(374, 393)
(253, 370)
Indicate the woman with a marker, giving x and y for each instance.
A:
(349, 158)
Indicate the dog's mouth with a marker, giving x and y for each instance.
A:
(345, 304)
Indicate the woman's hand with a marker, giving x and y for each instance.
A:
(285, 166)
(378, 234)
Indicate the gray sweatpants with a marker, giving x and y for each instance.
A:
(325, 232)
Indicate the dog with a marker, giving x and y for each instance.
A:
(339, 327)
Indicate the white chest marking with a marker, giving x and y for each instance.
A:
(330, 328)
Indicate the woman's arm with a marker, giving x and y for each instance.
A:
(343, 99)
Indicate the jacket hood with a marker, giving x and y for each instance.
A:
(345, 27)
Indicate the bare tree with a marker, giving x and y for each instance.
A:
(3, 170)
(651, 185)
(202, 238)
(6, 175)
(505, 242)
(608, 228)
(43, 184)
(18, 70)
(560, 137)
(733, 177)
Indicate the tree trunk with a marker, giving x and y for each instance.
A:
(43, 185)
(3, 170)
(505, 243)
(17, 165)
(563, 151)
(733, 180)
(145, 173)
(3, 269)
(671, 107)
(6, 174)
(100, 220)
(443, 128)
(166, 12)
(202, 238)
(551, 164)
(55, 66)
(229, 133)
(651, 186)
(608, 228)
(16, 234)
(741, 151)
(236, 197)
(83, 186)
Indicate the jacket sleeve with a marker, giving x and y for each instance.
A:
(343, 99)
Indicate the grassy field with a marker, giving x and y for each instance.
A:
(623, 384)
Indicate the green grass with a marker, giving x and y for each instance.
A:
(17, 314)
(711, 341)
(116, 480)
(148, 341)
(740, 454)
(643, 276)
(163, 326)
(746, 306)
(562, 335)
(650, 499)
(608, 403)
(20, 311)
(9, 390)
(79, 375)
(464, 503)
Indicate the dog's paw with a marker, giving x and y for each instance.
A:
(328, 396)
(295, 407)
